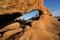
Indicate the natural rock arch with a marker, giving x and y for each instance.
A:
(45, 28)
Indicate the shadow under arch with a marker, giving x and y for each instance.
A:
(5, 18)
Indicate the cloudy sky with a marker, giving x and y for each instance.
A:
(54, 6)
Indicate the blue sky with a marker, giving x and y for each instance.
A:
(53, 5)
(29, 15)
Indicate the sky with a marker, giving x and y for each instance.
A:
(29, 15)
(53, 5)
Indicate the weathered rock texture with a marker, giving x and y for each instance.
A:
(22, 6)
(45, 28)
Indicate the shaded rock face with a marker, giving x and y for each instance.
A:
(58, 19)
(46, 27)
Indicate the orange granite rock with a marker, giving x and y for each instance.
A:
(22, 6)
(45, 28)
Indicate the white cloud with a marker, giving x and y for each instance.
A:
(56, 13)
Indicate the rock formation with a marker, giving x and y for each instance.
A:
(45, 28)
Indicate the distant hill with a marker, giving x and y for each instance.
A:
(58, 17)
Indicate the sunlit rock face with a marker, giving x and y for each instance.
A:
(45, 28)
(22, 6)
